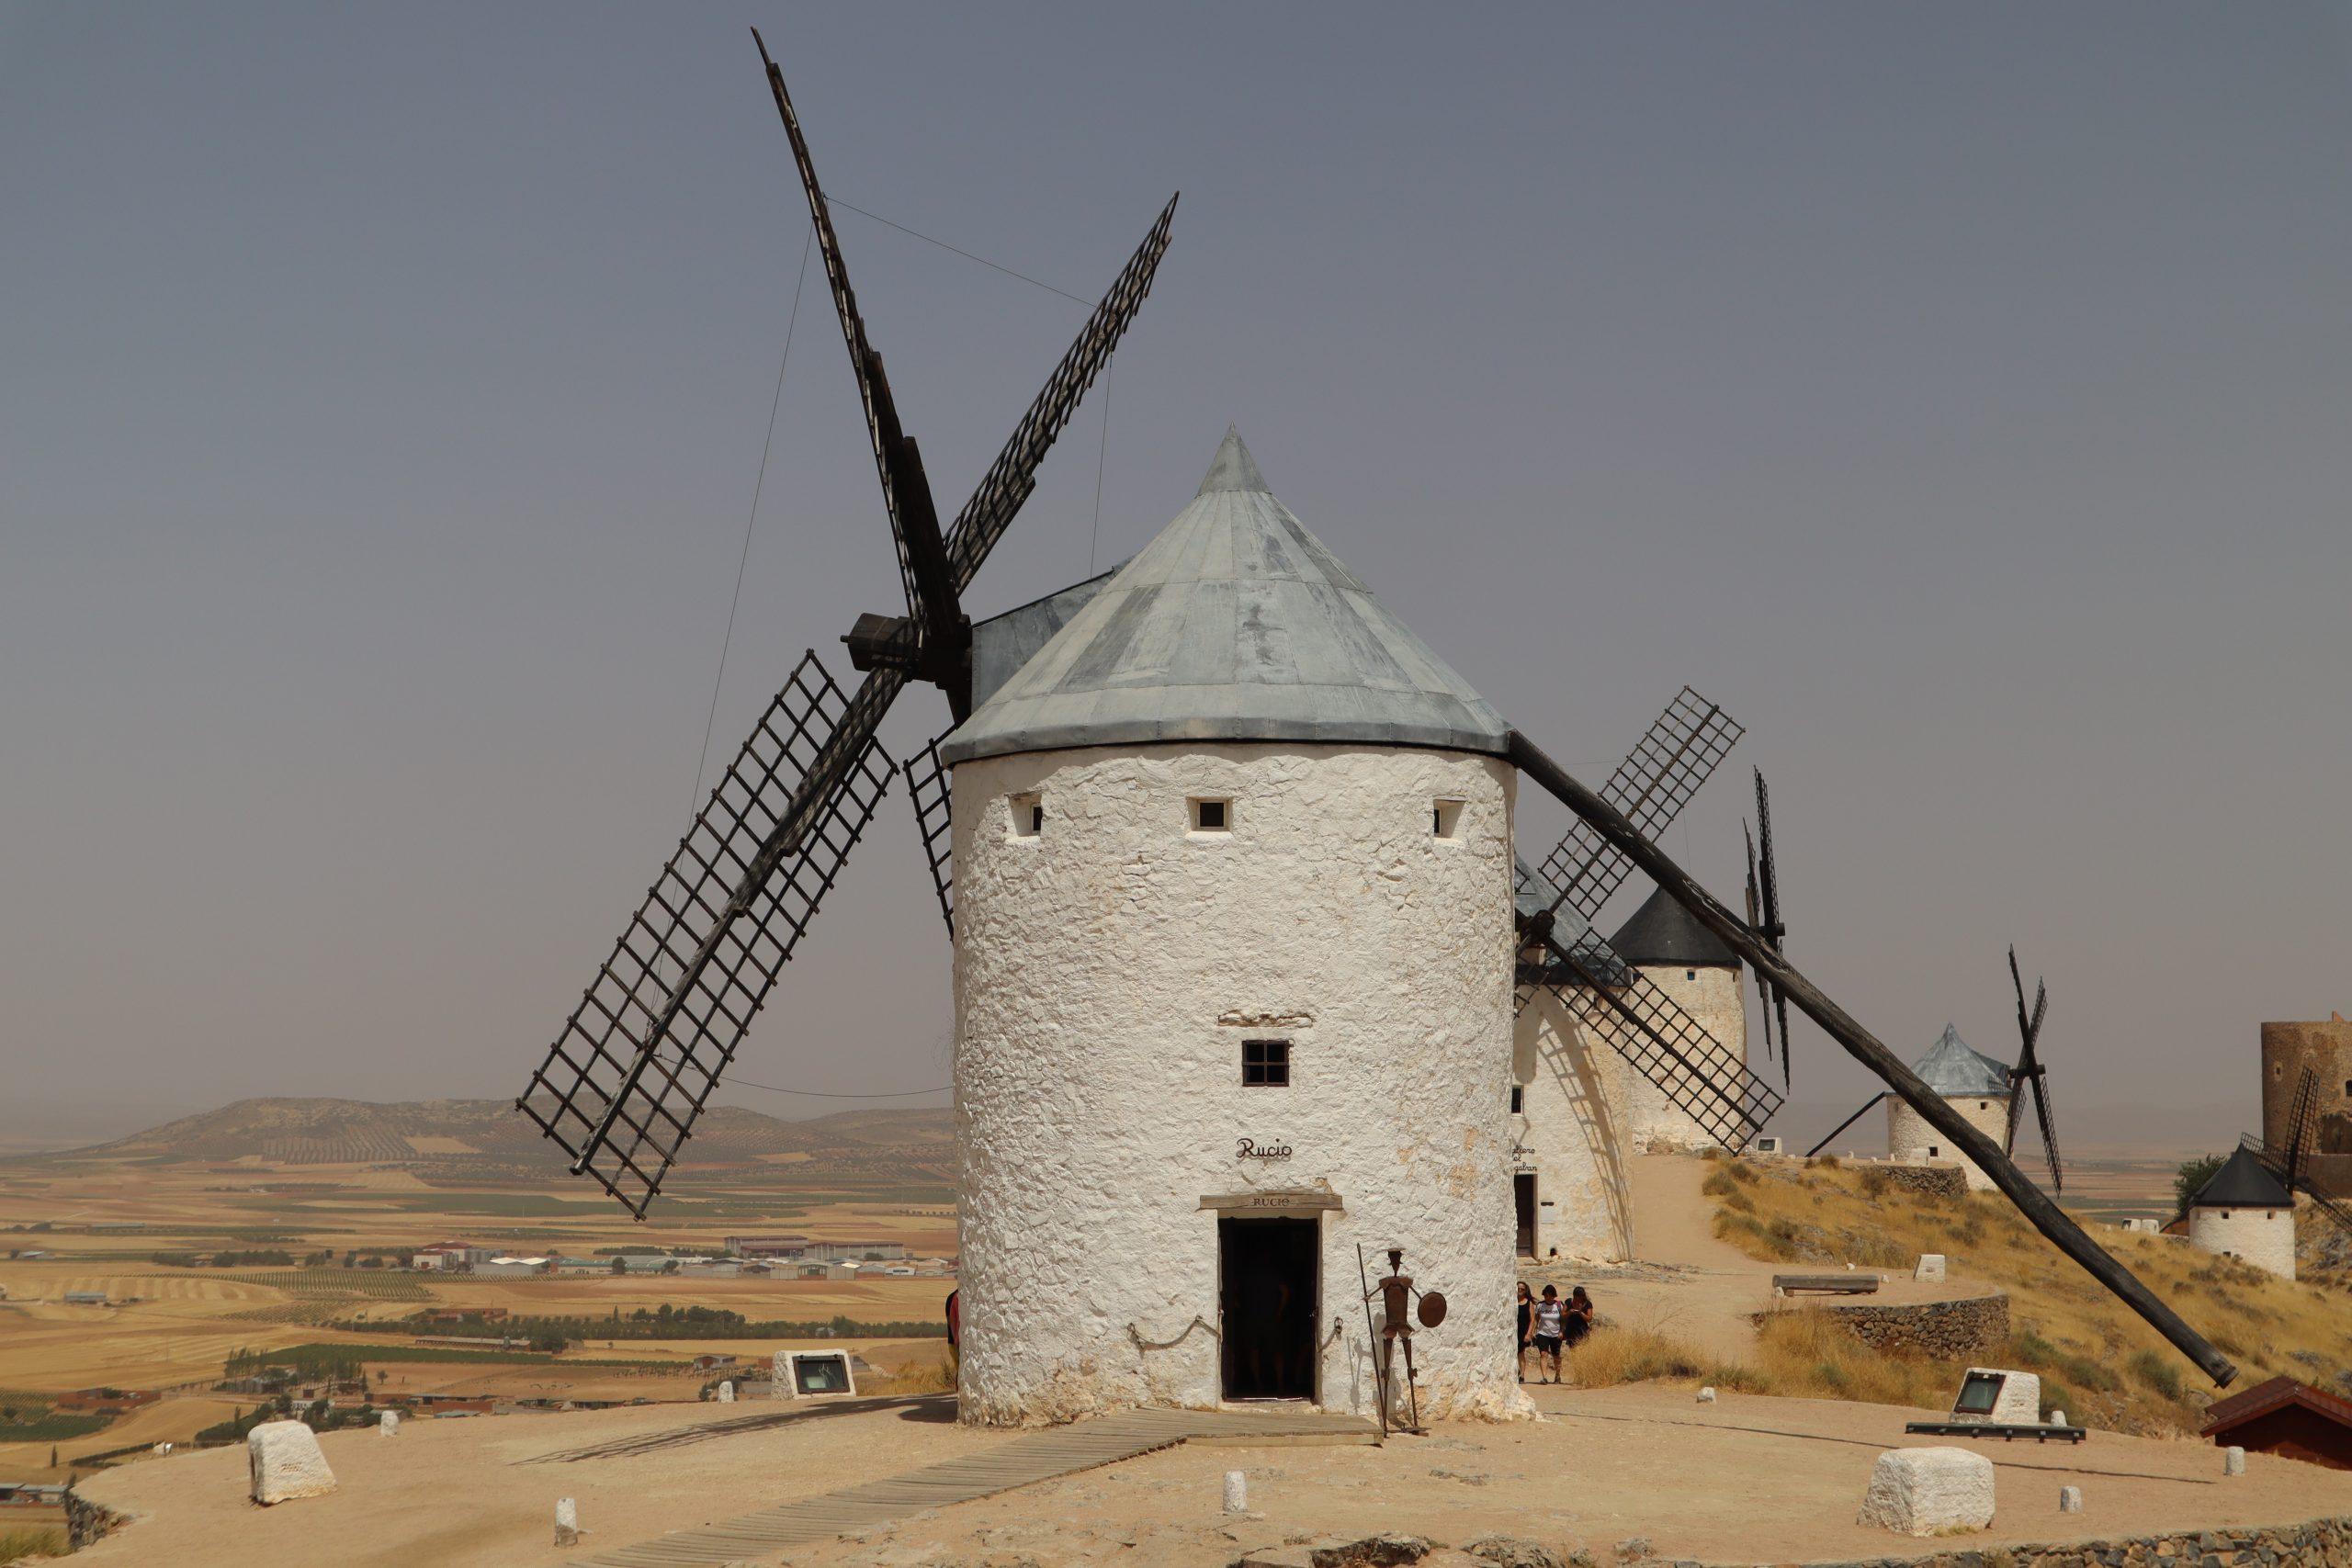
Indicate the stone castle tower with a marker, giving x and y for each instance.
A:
(2326, 1049)
(1971, 1083)
(1233, 915)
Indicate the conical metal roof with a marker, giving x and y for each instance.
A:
(2242, 1183)
(1235, 623)
(1953, 1067)
(1663, 934)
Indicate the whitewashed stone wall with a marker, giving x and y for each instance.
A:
(1571, 1132)
(1712, 996)
(1106, 974)
(1909, 1137)
(2264, 1237)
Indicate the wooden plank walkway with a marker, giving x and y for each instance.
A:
(1039, 1455)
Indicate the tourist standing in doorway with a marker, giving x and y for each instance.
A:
(1526, 1320)
(1551, 1331)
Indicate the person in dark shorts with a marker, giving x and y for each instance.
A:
(1526, 1319)
(1578, 1317)
(1551, 1332)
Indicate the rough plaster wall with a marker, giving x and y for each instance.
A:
(2264, 1237)
(1571, 1133)
(1106, 974)
(1909, 1135)
(1713, 1002)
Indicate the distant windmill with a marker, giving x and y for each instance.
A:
(2029, 1069)
(1764, 918)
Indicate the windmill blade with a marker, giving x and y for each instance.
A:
(2048, 1131)
(928, 783)
(906, 492)
(1650, 787)
(1642, 1023)
(2299, 1129)
(1755, 917)
(1774, 930)
(1015, 473)
(2024, 1069)
(626, 1079)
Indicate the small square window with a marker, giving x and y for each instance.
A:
(1212, 815)
(1265, 1062)
(1690, 973)
(1025, 815)
(1445, 818)
(1518, 1099)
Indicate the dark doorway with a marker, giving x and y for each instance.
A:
(1522, 1194)
(1267, 1295)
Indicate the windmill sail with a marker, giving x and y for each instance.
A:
(1651, 786)
(928, 783)
(638, 1059)
(1773, 930)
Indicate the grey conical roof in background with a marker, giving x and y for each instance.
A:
(1953, 1067)
(2242, 1183)
(1663, 934)
(1235, 623)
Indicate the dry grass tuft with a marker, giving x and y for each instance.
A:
(31, 1545)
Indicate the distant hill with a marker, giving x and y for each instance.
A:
(477, 1133)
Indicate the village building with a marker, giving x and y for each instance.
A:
(1233, 873)
(1971, 1083)
(2243, 1213)
(2285, 1418)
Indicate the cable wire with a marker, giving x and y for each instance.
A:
(727, 636)
(1101, 453)
(832, 200)
(825, 1094)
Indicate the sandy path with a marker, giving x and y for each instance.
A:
(1742, 1480)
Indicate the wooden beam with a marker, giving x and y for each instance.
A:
(1865, 1047)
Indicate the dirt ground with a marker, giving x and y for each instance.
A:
(1744, 1479)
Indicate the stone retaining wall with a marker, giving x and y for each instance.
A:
(1929, 1180)
(87, 1523)
(1974, 1329)
(2318, 1543)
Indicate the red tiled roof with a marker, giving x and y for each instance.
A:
(2276, 1394)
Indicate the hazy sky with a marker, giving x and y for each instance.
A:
(1963, 397)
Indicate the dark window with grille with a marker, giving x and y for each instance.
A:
(1518, 1099)
(1265, 1063)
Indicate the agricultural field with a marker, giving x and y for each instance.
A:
(302, 1194)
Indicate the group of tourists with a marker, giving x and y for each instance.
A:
(1550, 1326)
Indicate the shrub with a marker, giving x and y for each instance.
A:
(31, 1544)
(1875, 1183)
(2192, 1175)
(2158, 1373)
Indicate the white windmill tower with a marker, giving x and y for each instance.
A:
(1233, 876)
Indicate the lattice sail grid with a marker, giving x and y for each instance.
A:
(1697, 1073)
(599, 1070)
(1657, 778)
(928, 783)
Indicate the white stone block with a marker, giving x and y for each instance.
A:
(2070, 1499)
(1924, 1492)
(567, 1522)
(2057, 1417)
(388, 1425)
(727, 1393)
(1706, 1397)
(2020, 1401)
(2233, 1461)
(1237, 1492)
(1929, 1267)
(286, 1462)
